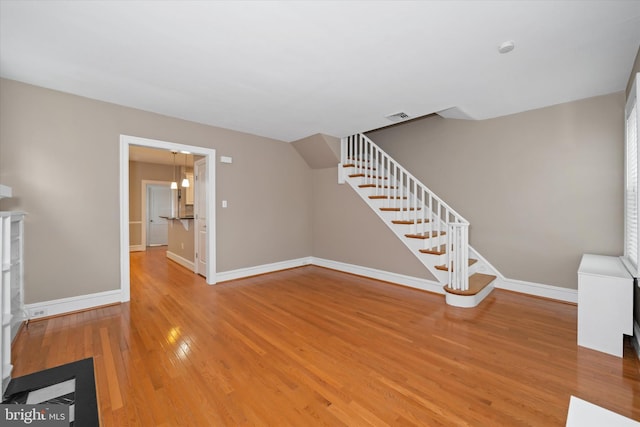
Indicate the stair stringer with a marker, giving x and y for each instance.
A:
(430, 261)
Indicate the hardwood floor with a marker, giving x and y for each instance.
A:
(312, 346)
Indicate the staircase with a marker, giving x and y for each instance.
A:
(432, 231)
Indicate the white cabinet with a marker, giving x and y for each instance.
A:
(188, 200)
(605, 303)
(12, 291)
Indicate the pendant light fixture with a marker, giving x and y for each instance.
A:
(185, 181)
(174, 183)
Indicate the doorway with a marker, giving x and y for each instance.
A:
(147, 217)
(158, 198)
(209, 159)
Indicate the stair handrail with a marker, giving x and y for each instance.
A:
(366, 156)
(343, 160)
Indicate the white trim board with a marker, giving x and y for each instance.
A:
(520, 286)
(181, 260)
(240, 273)
(372, 273)
(538, 289)
(85, 302)
(386, 276)
(210, 155)
(68, 305)
(137, 248)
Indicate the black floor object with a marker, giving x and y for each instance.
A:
(82, 401)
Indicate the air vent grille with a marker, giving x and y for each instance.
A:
(398, 117)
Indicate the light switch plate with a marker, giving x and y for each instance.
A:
(226, 159)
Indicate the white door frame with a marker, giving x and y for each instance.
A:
(196, 230)
(210, 155)
(143, 208)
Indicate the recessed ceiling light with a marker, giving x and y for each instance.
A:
(506, 47)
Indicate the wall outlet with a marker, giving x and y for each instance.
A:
(182, 245)
(38, 313)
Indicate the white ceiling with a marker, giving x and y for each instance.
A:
(159, 156)
(290, 69)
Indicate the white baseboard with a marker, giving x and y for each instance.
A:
(400, 279)
(529, 288)
(224, 276)
(136, 248)
(520, 286)
(84, 302)
(182, 261)
(67, 305)
(538, 289)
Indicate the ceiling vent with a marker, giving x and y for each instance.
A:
(398, 117)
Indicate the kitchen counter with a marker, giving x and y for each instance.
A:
(185, 220)
(177, 217)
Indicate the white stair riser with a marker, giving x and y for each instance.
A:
(413, 244)
(388, 198)
(468, 301)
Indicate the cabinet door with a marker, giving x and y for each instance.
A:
(189, 189)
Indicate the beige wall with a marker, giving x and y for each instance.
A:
(181, 238)
(345, 229)
(59, 152)
(540, 188)
(319, 151)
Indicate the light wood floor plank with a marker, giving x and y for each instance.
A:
(313, 347)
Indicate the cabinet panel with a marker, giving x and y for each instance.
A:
(12, 286)
(605, 303)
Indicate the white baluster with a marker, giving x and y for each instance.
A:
(394, 182)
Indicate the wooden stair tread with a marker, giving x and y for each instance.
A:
(387, 197)
(408, 221)
(398, 209)
(477, 282)
(437, 251)
(352, 165)
(425, 235)
(376, 186)
(443, 267)
(361, 175)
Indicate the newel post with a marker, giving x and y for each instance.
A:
(343, 157)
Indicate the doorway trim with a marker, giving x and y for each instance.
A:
(143, 208)
(210, 156)
(196, 223)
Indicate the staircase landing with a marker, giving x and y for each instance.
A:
(480, 285)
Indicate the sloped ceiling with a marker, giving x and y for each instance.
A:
(288, 70)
